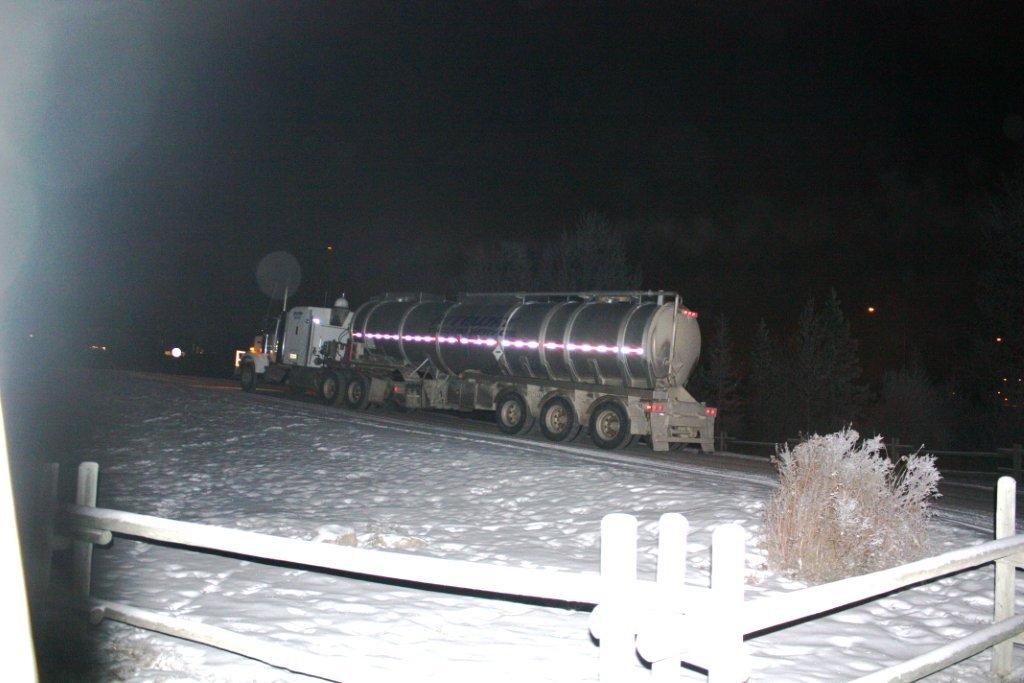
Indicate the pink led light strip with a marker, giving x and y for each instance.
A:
(514, 343)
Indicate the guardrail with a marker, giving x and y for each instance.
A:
(1013, 456)
(665, 621)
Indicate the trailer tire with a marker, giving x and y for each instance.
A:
(248, 377)
(356, 394)
(512, 414)
(609, 425)
(558, 420)
(329, 388)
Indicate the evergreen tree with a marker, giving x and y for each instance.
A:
(912, 408)
(844, 397)
(999, 365)
(1001, 285)
(717, 377)
(805, 374)
(590, 256)
(764, 386)
(824, 370)
(503, 267)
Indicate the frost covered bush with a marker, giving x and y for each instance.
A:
(843, 509)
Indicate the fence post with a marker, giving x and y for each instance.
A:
(729, 663)
(1006, 511)
(673, 535)
(721, 443)
(1017, 453)
(85, 494)
(617, 653)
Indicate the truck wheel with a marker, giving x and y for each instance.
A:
(609, 425)
(329, 388)
(512, 414)
(248, 377)
(558, 421)
(357, 393)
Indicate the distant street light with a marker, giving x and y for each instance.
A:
(175, 352)
(999, 340)
(871, 310)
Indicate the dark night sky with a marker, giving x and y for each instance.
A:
(150, 154)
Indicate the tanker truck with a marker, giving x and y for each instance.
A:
(615, 363)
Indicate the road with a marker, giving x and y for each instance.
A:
(968, 503)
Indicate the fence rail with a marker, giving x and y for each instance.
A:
(430, 571)
(253, 647)
(784, 608)
(665, 621)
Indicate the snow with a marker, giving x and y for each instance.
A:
(211, 454)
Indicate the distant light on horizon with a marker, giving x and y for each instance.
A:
(871, 310)
(999, 340)
(176, 352)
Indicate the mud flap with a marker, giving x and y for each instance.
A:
(659, 432)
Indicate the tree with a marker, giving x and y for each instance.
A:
(717, 379)
(824, 370)
(805, 375)
(1000, 348)
(591, 256)
(765, 386)
(912, 408)
(845, 397)
(501, 267)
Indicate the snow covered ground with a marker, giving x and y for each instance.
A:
(210, 454)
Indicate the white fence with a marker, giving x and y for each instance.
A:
(665, 621)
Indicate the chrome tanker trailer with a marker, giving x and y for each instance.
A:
(615, 362)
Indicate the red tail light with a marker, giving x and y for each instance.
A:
(711, 412)
(653, 407)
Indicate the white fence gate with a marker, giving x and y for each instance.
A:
(665, 621)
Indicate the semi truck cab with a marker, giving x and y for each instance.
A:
(294, 347)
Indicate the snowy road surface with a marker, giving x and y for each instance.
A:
(204, 452)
